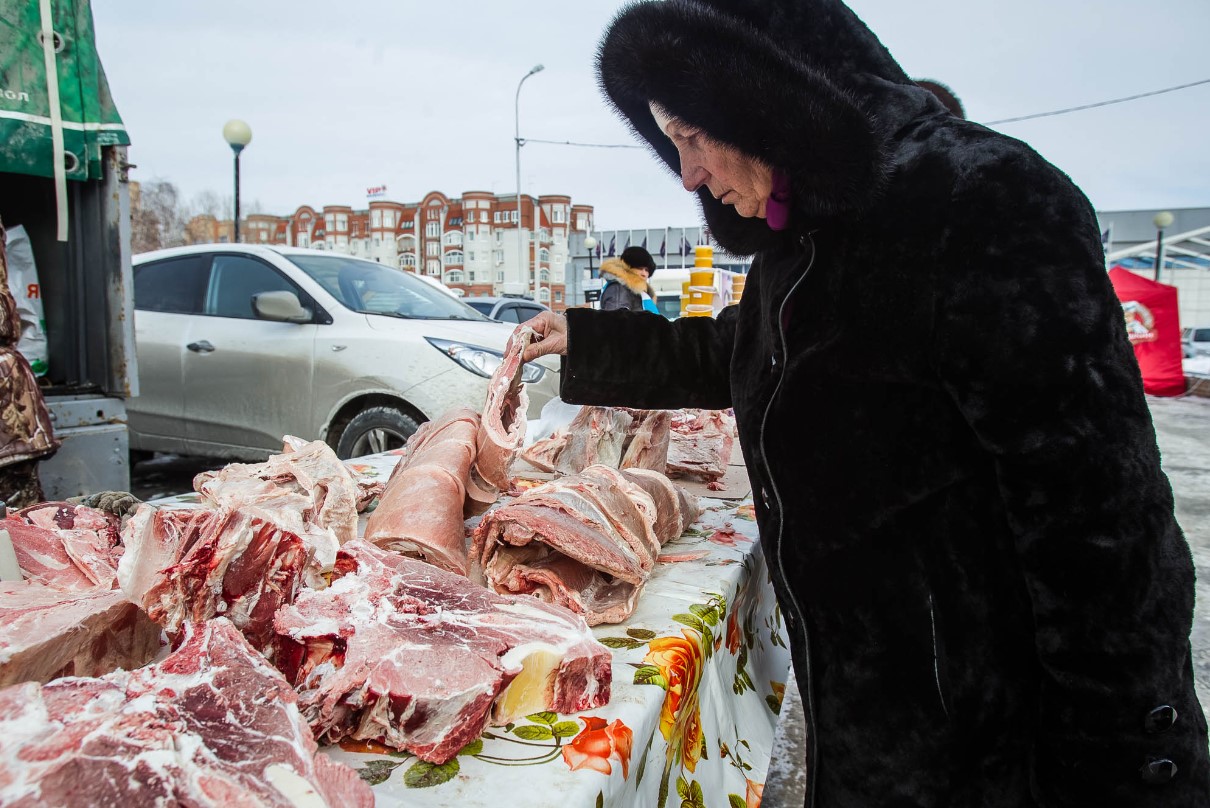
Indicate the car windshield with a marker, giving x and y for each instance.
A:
(371, 288)
(1201, 335)
(481, 306)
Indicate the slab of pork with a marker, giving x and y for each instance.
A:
(587, 542)
(212, 725)
(45, 633)
(400, 652)
(700, 444)
(421, 511)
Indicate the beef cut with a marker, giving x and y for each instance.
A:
(502, 431)
(191, 564)
(700, 444)
(45, 633)
(647, 441)
(400, 652)
(66, 547)
(422, 509)
(596, 436)
(212, 725)
(587, 542)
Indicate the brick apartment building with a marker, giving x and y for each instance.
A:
(474, 243)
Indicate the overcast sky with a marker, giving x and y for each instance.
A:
(346, 94)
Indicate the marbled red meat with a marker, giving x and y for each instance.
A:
(212, 725)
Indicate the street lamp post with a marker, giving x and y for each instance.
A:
(1162, 220)
(590, 244)
(238, 135)
(517, 139)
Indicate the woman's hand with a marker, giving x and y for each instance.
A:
(551, 335)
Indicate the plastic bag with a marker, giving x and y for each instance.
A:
(556, 414)
(23, 283)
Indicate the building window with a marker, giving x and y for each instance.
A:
(496, 217)
(544, 256)
(581, 222)
(559, 296)
(557, 215)
(388, 219)
(498, 256)
(432, 267)
(454, 277)
(453, 257)
(544, 294)
(376, 218)
(453, 238)
(407, 260)
(499, 277)
(330, 221)
(483, 216)
(512, 214)
(544, 276)
(432, 229)
(342, 221)
(432, 248)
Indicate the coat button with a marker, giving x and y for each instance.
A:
(1158, 772)
(1160, 719)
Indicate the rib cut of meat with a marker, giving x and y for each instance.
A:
(502, 430)
(195, 563)
(700, 444)
(587, 542)
(212, 725)
(305, 490)
(675, 508)
(45, 634)
(66, 547)
(403, 653)
(422, 509)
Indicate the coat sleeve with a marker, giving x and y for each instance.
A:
(1031, 345)
(614, 296)
(641, 360)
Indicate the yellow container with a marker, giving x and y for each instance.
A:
(684, 288)
(703, 256)
(698, 310)
(700, 297)
(700, 277)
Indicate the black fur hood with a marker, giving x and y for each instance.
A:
(803, 86)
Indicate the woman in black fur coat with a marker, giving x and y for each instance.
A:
(956, 476)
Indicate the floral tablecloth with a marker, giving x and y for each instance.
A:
(699, 671)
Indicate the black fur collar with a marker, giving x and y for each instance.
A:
(801, 84)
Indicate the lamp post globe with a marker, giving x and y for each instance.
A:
(1162, 221)
(238, 134)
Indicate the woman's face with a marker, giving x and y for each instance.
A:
(731, 177)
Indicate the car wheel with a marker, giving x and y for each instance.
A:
(377, 429)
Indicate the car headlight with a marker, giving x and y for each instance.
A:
(482, 361)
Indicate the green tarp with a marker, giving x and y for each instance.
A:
(88, 116)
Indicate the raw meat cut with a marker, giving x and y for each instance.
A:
(195, 563)
(66, 547)
(647, 441)
(305, 490)
(422, 509)
(700, 444)
(675, 508)
(587, 542)
(45, 634)
(400, 652)
(502, 430)
(212, 725)
(596, 436)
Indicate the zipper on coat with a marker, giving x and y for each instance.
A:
(809, 696)
(937, 657)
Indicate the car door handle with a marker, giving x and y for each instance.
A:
(202, 346)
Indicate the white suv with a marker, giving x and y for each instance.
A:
(239, 345)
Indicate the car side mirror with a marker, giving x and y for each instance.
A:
(280, 307)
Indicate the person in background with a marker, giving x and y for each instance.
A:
(627, 285)
(960, 499)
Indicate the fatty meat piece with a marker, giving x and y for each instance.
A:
(46, 634)
(400, 652)
(212, 725)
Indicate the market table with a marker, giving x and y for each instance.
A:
(699, 671)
